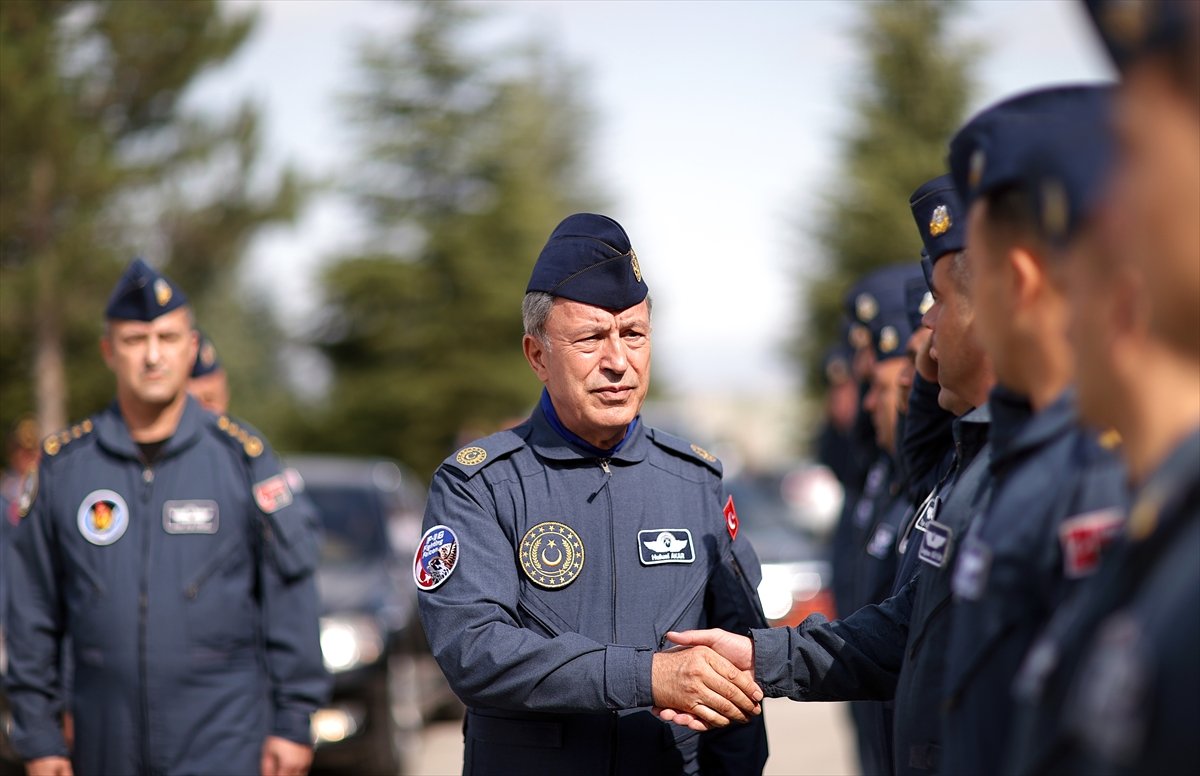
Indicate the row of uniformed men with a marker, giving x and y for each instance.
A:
(1001, 613)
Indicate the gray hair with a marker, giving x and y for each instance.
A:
(535, 311)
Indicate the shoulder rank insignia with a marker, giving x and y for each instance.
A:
(551, 555)
(55, 442)
(700, 451)
(252, 445)
(633, 262)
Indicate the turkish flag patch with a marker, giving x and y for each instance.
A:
(272, 494)
(1084, 537)
(731, 518)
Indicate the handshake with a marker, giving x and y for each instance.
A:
(707, 681)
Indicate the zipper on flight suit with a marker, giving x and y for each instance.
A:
(143, 613)
(612, 545)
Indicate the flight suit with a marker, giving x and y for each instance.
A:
(550, 645)
(186, 589)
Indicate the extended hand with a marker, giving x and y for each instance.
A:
(281, 757)
(48, 766)
(705, 685)
(738, 650)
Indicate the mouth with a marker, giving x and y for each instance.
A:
(614, 394)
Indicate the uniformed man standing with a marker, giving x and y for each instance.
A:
(558, 554)
(209, 383)
(163, 541)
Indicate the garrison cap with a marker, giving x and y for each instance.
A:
(917, 298)
(207, 360)
(588, 259)
(837, 363)
(143, 294)
(877, 304)
(940, 217)
(992, 151)
(1131, 29)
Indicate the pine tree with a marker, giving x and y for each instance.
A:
(918, 85)
(469, 163)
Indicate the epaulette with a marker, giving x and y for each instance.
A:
(686, 449)
(480, 454)
(249, 441)
(56, 442)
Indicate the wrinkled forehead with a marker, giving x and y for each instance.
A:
(178, 320)
(569, 313)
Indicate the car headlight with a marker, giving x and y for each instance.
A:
(349, 641)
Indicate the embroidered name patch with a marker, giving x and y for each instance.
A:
(436, 558)
(103, 517)
(191, 517)
(935, 547)
(665, 545)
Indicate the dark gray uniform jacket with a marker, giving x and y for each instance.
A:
(559, 680)
(1057, 496)
(1112, 686)
(186, 590)
(897, 648)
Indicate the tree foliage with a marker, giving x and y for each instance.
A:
(101, 163)
(916, 89)
(468, 162)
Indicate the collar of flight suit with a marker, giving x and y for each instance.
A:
(548, 443)
(970, 431)
(1164, 498)
(112, 433)
(1017, 430)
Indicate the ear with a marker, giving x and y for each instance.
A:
(106, 350)
(1028, 275)
(535, 354)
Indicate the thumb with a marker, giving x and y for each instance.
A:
(695, 638)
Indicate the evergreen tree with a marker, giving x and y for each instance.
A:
(100, 164)
(918, 83)
(469, 163)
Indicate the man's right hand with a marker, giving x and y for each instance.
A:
(705, 685)
(49, 766)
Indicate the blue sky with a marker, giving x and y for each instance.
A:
(717, 133)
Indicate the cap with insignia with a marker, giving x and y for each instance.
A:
(889, 327)
(917, 299)
(940, 218)
(143, 294)
(207, 360)
(1131, 29)
(993, 150)
(589, 259)
(836, 365)
(1054, 144)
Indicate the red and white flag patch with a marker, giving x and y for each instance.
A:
(272, 494)
(1084, 537)
(731, 518)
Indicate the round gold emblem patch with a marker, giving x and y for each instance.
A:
(551, 555)
(865, 307)
(637, 268)
(253, 446)
(700, 451)
(471, 456)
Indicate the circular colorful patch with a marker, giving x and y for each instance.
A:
(103, 517)
(551, 555)
(436, 558)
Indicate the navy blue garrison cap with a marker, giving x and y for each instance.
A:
(994, 149)
(588, 258)
(1130, 29)
(879, 304)
(1056, 144)
(940, 217)
(917, 299)
(207, 360)
(142, 294)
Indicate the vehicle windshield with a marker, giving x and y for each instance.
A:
(353, 520)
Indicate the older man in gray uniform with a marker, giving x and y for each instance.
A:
(558, 554)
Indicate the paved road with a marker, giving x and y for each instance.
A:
(805, 738)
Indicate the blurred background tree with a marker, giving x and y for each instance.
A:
(468, 162)
(917, 84)
(103, 162)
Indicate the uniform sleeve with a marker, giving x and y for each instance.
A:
(299, 682)
(475, 630)
(928, 435)
(35, 622)
(857, 658)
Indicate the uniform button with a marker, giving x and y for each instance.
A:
(147, 475)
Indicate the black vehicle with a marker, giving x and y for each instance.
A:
(386, 684)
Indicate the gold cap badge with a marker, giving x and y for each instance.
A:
(940, 222)
(889, 339)
(162, 292)
(208, 354)
(865, 307)
(633, 262)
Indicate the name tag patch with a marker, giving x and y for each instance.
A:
(191, 517)
(666, 545)
(971, 571)
(935, 547)
(881, 542)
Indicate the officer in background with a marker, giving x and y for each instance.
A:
(1113, 686)
(209, 383)
(163, 542)
(557, 554)
(1057, 495)
(835, 442)
(897, 648)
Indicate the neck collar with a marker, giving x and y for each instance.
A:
(578, 442)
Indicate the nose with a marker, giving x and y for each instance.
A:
(614, 361)
(153, 351)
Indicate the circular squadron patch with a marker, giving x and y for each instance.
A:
(551, 555)
(471, 456)
(436, 558)
(103, 517)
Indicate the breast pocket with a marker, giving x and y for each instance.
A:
(219, 597)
